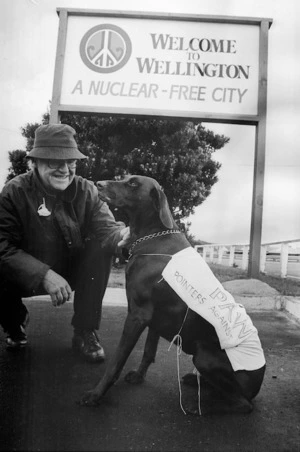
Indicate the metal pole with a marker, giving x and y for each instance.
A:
(59, 64)
(259, 160)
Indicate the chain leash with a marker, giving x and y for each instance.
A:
(152, 236)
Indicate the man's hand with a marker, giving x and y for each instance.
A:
(57, 287)
(125, 236)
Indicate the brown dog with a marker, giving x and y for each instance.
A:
(153, 304)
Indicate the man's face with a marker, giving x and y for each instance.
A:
(56, 175)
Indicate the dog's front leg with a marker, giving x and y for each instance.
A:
(133, 328)
(138, 376)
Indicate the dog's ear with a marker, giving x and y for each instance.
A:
(161, 205)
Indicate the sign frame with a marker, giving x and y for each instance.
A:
(258, 120)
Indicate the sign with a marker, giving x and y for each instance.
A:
(160, 66)
(208, 68)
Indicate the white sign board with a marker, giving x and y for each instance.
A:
(160, 67)
(150, 64)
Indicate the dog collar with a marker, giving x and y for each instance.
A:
(152, 236)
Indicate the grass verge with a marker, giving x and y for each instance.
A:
(285, 286)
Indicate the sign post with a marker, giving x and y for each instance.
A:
(204, 68)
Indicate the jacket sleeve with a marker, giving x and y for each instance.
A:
(16, 265)
(104, 226)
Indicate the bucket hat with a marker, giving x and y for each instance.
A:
(55, 141)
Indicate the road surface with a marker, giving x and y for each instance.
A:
(39, 387)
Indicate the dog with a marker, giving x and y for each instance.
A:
(154, 304)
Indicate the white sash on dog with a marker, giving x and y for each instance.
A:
(191, 278)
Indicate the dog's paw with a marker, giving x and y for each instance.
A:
(134, 377)
(89, 398)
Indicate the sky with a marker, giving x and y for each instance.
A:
(28, 38)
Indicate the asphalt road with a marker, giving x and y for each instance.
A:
(39, 387)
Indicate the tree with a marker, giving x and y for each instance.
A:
(177, 153)
(18, 165)
(17, 158)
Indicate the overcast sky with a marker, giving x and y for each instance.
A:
(28, 30)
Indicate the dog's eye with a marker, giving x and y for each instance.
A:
(132, 183)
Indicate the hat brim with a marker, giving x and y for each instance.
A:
(56, 153)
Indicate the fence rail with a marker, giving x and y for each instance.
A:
(231, 255)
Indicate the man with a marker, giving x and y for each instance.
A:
(56, 235)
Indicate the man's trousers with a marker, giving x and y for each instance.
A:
(87, 273)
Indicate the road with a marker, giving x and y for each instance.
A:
(39, 387)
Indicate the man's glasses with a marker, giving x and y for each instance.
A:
(55, 163)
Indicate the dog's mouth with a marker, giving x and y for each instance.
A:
(107, 198)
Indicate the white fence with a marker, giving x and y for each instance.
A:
(281, 258)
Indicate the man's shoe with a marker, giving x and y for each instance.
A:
(86, 342)
(16, 337)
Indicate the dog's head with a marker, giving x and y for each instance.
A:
(137, 194)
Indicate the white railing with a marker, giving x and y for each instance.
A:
(238, 255)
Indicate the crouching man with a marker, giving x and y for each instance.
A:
(56, 236)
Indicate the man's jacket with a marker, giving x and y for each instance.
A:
(31, 243)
